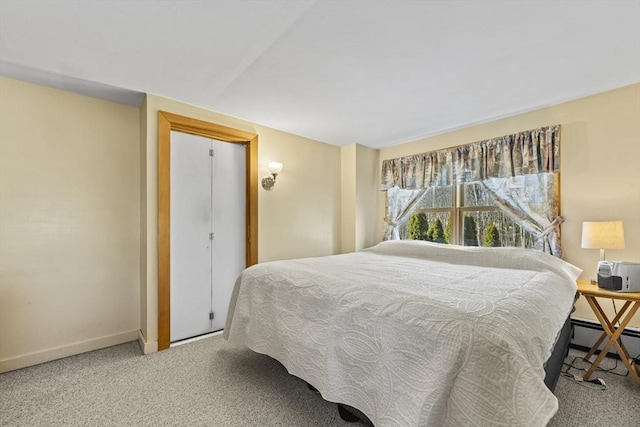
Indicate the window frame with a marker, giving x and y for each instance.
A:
(457, 211)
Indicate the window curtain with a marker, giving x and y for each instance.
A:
(532, 201)
(496, 163)
(419, 171)
(400, 203)
(524, 153)
(521, 172)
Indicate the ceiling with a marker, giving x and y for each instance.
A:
(374, 73)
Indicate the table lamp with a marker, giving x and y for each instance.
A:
(602, 235)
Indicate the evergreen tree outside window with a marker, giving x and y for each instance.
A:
(491, 236)
(436, 232)
(470, 231)
(447, 232)
(418, 226)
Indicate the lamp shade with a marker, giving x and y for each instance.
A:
(275, 167)
(602, 235)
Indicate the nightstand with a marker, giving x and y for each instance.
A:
(630, 306)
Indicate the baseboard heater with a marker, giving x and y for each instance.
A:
(587, 332)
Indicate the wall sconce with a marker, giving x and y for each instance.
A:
(602, 235)
(269, 181)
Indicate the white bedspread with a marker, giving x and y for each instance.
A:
(413, 333)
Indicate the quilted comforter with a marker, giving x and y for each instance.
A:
(413, 333)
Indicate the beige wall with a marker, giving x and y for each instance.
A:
(69, 223)
(300, 217)
(600, 168)
(78, 203)
(367, 192)
(143, 228)
(359, 195)
(348, 194)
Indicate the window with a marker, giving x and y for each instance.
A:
(437, 207)
(502, 191)
(472, 219)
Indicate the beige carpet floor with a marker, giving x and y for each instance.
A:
(208, 383)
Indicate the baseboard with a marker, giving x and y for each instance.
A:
(146, 347)
(587, 332)
(35, 358)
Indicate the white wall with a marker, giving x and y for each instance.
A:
(69, 223)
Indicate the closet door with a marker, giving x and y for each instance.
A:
(208, 231)
(190, 218)
(228, 207)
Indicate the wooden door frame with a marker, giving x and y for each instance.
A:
(166, 123)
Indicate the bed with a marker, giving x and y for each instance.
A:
(414, 333)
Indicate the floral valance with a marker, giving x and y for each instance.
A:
(529, 152)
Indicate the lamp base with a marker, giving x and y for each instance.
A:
(268, 182)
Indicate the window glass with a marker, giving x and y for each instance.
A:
(437, 197)
(430, 226)
(493, 228)
(486, 225)
(476, 195)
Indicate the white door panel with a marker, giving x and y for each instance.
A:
(190, 243)
(208, 195)
(229, 224)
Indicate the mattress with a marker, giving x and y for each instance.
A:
(413, 333)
